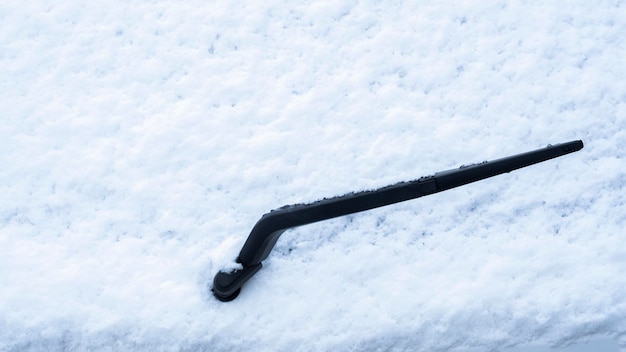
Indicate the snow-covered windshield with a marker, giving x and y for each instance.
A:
(142, 140)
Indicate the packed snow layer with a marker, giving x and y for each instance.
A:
(141, 141)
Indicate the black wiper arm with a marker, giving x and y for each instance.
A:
(263, 237)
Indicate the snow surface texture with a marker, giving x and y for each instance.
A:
(141, 141)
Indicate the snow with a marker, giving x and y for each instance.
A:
(141, 141)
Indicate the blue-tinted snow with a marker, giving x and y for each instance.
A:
(141, 141)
